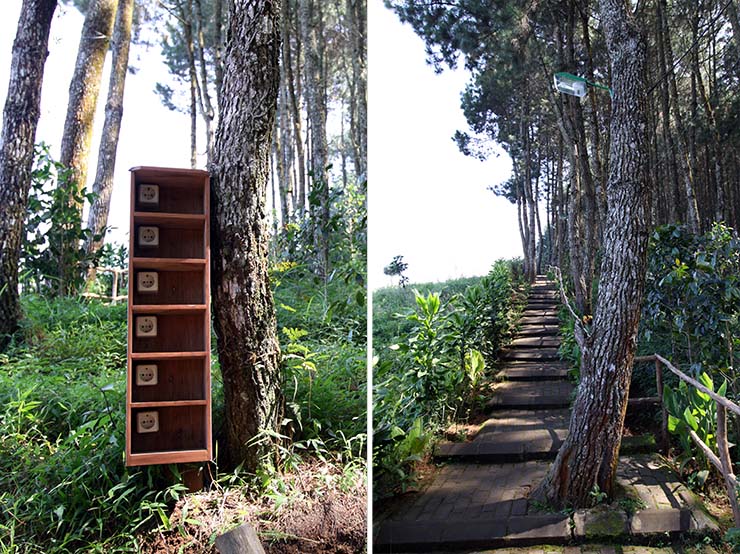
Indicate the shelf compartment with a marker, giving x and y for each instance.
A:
(180, 428)
(174, 287)
(180, 191)
(182, 221)
(178, 380)
(175, 333)
(174, 242)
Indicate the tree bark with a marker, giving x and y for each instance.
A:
(243, 305)
(97, 218)
(314, 90)
(589, 455)
(84, 89)
(20, 118)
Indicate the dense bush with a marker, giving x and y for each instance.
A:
(63, 483)
(428, 373)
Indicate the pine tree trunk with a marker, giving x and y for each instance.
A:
(84, 89)
(97, 218)
(20, 117)
(314, 89)
(244, 313)
(589, 455)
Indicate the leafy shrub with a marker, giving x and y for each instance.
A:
(430, 372)
(692, 300)
(53, 253)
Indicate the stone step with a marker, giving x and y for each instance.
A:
(546, 341)
(530, 354)
(480, 506)
(511, 436)
(534, 371)
(539, 320)
(538, 330)
(539, 312)
(523, 395)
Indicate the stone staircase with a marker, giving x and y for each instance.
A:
(479, 499)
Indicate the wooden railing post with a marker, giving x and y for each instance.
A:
(114, 292)
(664, 445)
(724, 457)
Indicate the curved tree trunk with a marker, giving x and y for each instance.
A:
(20, 117)
(85, 87)
(589, 456)
(97, 219)
(243, 306)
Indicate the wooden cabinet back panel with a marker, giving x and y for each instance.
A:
(173, 243)
(174, 199)
(180, 428)
(176, 380)
(175, 333)
(175, 287)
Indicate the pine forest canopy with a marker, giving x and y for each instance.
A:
(585, 169)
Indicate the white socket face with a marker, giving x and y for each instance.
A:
(146, 326)
(149, 194)
(147, 422)
(147, 281)
(148, 236)
(146, 375)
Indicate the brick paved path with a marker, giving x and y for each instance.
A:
(480, 499)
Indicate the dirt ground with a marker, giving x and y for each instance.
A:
(312, 511)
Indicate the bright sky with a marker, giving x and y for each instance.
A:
(427, 201)
(150, 134)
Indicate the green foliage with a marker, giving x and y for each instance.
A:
(64, 485)
(691, 409)
(692, 301)
(53, 256)
(732, 538)
(431, 370)
(397, 267)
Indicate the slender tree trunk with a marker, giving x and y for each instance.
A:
(97, 218)
(20, 117)
(589, 455)
(209, 114)
(356, 21)
(692, 209)
(314, 89)
(218, 47)
(243, 306)
(84, 89)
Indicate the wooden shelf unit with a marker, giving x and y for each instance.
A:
(168, 393)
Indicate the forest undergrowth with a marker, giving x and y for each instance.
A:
(435, 348)
(64, 486)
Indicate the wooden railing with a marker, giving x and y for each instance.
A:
(118, 273)
(722, 461)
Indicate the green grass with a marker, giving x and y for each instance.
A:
(389, 301)
(63, 483)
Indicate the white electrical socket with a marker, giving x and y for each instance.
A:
(149, 194)
(146, 326)
(147, 422)
(147, 281)
(148, 236)
(146, 375)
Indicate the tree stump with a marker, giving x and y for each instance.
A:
(242, 540)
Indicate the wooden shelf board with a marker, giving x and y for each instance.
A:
(175, 220)
(161, 309)
(172, 264)
(166, 355)
(167, 404)
(168, 457)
